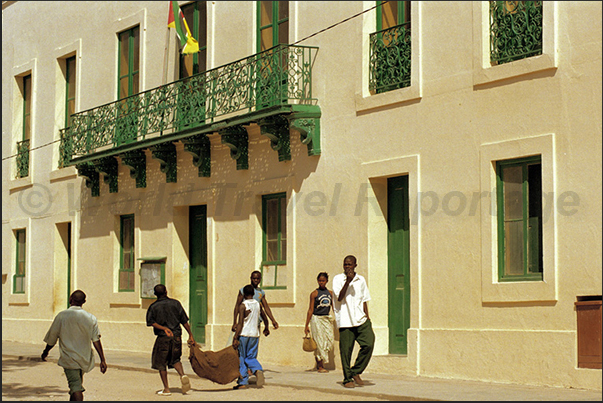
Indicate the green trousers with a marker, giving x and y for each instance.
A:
(365, 337)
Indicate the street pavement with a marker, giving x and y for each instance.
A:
(377, 386)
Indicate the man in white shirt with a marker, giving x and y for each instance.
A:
(75, 329)
(352, 316)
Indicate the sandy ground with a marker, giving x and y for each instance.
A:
(37, 381)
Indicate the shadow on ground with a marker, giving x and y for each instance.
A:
(22, 391)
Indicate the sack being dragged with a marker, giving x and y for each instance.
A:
(218, 366)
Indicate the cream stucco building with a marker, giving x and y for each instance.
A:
(463, 172)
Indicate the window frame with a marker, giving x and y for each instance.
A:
(69, 75)
(18, 260)
(122, 253)
(484, 73)
(198, 15)
(131, 58)
(494, 7)
(527, 275)
(275, 24)
(403, 14)
(27, 93)
(281, 215)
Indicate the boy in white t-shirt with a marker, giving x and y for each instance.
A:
(247, 337)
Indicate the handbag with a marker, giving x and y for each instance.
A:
(309, 344)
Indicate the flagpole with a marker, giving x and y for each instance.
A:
(165, 55)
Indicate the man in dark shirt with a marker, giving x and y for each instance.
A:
(166, 315)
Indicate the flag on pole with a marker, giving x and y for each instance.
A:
(188, 43)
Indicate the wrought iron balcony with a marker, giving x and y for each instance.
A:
(272, 89)
(23, 158)
(390, 59)
(515, 30)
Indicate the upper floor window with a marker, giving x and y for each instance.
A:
(390, 47)
(515, 30)
(273, 24)
(19, 277)
(126, 261)
(274, 245)
(129, 61)
(69, 89)
(24, 144)
(519, 201)
(195, 15)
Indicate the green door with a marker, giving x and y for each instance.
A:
(398, 264)
(198, 271)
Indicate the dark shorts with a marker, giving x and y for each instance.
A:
(75, 377)
(166, 352)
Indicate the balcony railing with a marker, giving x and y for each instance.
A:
(390, 54)
(279, 76)
(22, 158)
(515, 30)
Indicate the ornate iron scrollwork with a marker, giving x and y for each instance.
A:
(309, 130)
(199, 146)
(166, 154)
(276, 128)
(237, 139)
(136, 160)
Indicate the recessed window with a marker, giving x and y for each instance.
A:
(69, 89)
(274, 250)
(126, 261)
(24, 144)
(390, 47)
(19, 277)
(519, 198)
(515, 30)
(195, 15)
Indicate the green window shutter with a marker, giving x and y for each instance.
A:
(26, 107)
(23, 145)
(273, 24)
(274, 240)
(519, 202)
(126, 261)
(129, 62)
(19, 277)
(69, 89)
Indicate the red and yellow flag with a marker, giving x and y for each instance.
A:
(188, 43)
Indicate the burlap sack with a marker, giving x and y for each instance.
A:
(218, 366)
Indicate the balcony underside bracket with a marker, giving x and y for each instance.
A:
(199, 146)
(166, 154)
(136, 160)
(237, 139)
(108, 167)
(276, 128)
(309, 130)
(92, 176)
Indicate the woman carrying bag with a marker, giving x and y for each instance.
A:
(320, 322)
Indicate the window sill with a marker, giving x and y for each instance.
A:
(389, 98)
(62, 174)
(20, 183)
(18, 299)
(523, 68)
(128, 299)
